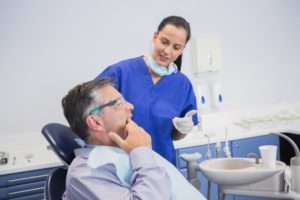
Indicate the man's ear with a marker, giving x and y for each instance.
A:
(94, 122)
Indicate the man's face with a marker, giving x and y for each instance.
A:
(115, 117)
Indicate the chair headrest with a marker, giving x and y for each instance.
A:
(61, 139)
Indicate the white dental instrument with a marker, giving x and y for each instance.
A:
(208, 156)
(218, 149)
(226, 147)
(208, 153)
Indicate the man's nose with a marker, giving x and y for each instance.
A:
(129, 106)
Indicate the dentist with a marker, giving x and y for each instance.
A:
(163, 97)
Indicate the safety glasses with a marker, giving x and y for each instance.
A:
(116, 102)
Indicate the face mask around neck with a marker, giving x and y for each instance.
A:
(160, 70)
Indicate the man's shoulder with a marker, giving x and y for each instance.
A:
(79, 166)
(79, 163)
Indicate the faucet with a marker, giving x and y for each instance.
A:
(255, 156)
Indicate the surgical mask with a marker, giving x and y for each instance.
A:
(161, 70)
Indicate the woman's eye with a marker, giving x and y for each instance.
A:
(177, 47)
(163, 41)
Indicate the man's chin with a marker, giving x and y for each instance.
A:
(122, 133)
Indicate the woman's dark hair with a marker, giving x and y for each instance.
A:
(179, 22)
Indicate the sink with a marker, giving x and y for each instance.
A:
(237, 171)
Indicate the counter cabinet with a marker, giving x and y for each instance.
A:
(24, 185)
(239, 148)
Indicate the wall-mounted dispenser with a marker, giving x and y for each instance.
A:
(206, 55)
(202, 94)
(216, 95)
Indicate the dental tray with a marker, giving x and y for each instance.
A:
(269, 121)
(260, 122)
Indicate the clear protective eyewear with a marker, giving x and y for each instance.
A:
(119, 102)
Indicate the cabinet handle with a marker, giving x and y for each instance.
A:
(24, 191)
(27, 178)
(237, 146)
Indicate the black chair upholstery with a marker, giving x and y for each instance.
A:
(61, 139)
(55, 184)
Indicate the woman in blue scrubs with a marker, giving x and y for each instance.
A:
(163, 98)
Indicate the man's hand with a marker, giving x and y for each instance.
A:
(136, 137)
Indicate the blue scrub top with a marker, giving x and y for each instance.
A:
(155, 105)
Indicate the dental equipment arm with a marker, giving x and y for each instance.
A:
(295, 164)
(295, 147)
(192, 168)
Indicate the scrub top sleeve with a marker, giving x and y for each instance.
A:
(113, 73)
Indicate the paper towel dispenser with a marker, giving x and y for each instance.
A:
(206, 55)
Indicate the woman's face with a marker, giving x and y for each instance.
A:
(168, 44)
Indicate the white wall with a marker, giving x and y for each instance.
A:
(46, 47)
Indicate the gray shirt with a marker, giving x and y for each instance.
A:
(149, 181)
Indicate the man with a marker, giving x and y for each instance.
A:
(100, 116)
(117, 161)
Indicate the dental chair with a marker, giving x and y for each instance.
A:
(62, 141)
(55, 184)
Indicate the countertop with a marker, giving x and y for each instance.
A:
(235, 132)
(243, 124)
(28, 151)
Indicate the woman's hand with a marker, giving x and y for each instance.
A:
(185, 124)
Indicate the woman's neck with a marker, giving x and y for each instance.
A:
(154, 76)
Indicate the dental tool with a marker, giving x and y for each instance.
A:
(208, 156)
(226, 147)
(218, 149)
(287, 176)
(208, 153)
